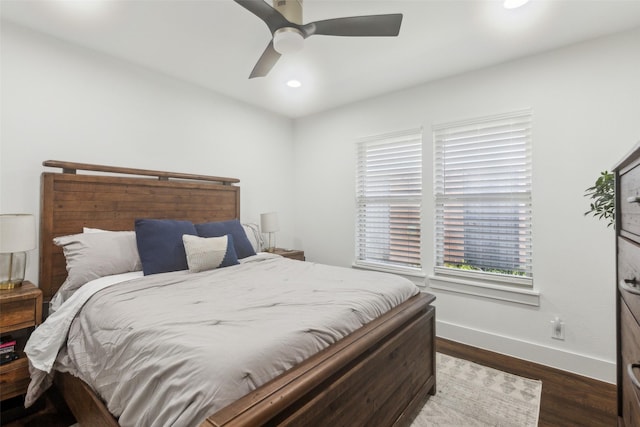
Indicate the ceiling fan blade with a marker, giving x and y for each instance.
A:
(266, 62)
(264, 11)
(357, 26)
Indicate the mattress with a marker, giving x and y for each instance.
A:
(170, 349)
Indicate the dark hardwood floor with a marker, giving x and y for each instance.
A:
(567, 399)
(49, 411)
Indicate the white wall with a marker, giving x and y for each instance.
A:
(62, 102)
(586, 116)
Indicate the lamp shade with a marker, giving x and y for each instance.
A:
(269, 222)
(17, 233)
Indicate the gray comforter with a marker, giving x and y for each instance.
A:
(171, 349)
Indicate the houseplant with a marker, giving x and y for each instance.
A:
(602, 198)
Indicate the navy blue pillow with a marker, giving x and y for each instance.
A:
(160, 244)
(234, 227)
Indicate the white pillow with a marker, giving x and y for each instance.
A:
(93, 230)
(253, 234)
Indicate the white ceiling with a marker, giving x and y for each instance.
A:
(215, 43)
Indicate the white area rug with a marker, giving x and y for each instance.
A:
(469, 394)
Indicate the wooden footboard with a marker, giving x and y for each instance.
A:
(86, 407)
(380, 375)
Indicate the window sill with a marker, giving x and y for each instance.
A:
(486, 290)
(400, 271)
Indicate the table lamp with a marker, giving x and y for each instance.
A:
(269, 224)
(17, 236)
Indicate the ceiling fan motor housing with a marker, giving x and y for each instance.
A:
(290, 9)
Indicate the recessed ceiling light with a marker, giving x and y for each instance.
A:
(294, 83)
(514, 4)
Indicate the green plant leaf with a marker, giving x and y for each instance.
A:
(602, 194)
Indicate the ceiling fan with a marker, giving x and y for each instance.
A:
(284, 20)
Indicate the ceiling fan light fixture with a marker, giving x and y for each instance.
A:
(287, 40)
(288, 32)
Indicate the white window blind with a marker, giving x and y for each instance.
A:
(483, 198)
(389, 201)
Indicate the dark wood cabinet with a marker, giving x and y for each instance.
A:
(628, 287)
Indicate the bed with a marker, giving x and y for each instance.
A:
(380, 374)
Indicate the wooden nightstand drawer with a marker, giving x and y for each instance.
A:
(17, 315)
(14, 378)
(20, 308)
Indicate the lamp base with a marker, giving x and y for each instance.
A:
(272, 246)
(12, 267)
(10, 284)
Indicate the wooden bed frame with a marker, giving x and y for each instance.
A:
(380, 375)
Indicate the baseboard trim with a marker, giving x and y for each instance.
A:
(599, 369)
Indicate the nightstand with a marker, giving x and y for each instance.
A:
(20, 312)
(290, 253)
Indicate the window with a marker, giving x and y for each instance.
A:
(483, 198)
(389, 202)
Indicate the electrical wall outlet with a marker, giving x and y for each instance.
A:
(557, 329)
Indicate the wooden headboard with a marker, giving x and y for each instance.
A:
(114, 199)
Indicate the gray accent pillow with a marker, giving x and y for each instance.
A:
(90, 256)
